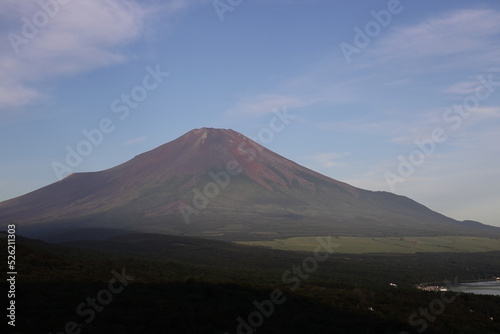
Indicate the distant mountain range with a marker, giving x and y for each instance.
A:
(219, 183)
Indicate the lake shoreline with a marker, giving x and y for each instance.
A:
(482, 286)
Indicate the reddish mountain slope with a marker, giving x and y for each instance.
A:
(218, 182)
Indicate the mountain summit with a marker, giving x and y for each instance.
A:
(219, 183)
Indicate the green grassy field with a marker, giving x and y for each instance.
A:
(407, 245)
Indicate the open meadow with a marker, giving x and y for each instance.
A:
(407, 245)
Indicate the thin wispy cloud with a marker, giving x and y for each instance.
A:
(444, 41)
(328, 160)
(489, 112)
(267, 103)
(447, 41)
(135, 141)
(463, 87)
(81, 36)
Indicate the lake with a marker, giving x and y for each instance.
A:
(481, 288)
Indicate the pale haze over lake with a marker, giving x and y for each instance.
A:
(483, 288)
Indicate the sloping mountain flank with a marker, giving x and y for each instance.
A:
(219, 183)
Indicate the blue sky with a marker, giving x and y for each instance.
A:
(400, 96)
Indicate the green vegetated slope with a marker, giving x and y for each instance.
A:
(187, 285)
(359, 245)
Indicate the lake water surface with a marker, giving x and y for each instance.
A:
(482, 288)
